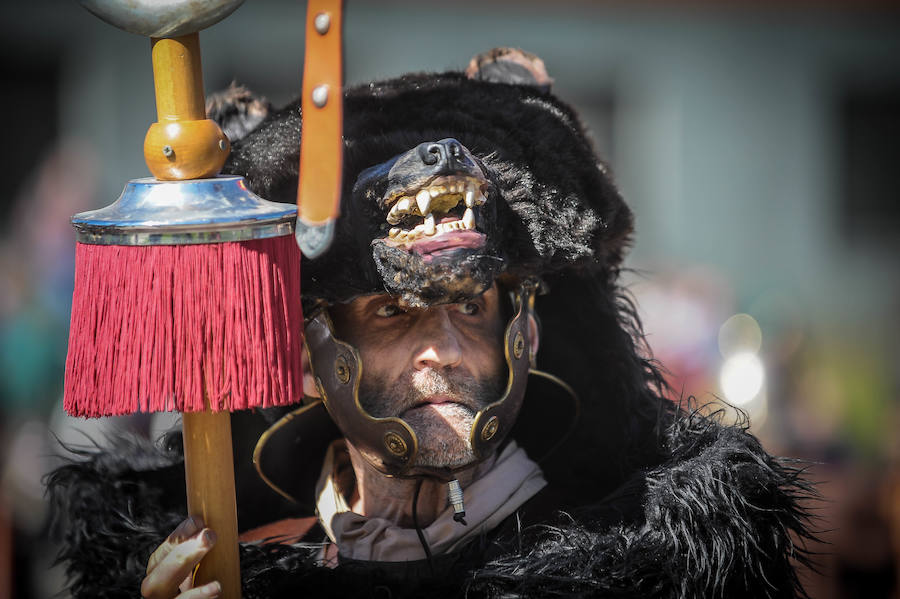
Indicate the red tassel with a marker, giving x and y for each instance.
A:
(155, 328)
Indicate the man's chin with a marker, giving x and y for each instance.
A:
(443, 432)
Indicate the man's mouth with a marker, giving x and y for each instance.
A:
(440, 402)
(445, 212)
(438, 399)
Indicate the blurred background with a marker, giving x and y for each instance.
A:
(757, 143)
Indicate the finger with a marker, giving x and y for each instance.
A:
(188, 582)
(188, 528)
(162, 582)
(207, 591)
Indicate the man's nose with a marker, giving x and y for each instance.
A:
(439, 343)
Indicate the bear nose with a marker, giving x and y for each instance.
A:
(444, 154)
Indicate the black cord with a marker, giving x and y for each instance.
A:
(419, 532)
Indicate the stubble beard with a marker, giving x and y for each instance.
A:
(443, 430)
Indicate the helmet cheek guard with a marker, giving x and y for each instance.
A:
(495, 421)
(390, 444)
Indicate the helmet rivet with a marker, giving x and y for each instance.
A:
(395, 444)
(342, 370)
(490, 429)
(518, 345)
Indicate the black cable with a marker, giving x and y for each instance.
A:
(419, 532)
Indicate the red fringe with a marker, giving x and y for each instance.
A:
(157, 328)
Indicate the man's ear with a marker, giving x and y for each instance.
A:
(533, 334)
(309, 383)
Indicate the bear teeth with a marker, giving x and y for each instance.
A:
(421, 204)
(465, 224)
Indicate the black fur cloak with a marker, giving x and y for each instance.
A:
(646, 499)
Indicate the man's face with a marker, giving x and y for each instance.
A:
(433, 367)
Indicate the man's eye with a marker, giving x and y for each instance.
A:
(389, 310)
(469, 308)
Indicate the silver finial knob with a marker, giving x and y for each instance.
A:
(161, 18)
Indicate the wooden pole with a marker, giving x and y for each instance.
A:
(183, 144)
(178, 78)
(7, 561)
(209, 474)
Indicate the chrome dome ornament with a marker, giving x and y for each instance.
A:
(161, 18)
(215, 210)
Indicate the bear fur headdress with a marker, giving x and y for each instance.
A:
(550, 205)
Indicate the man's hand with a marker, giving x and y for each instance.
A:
(169, 568)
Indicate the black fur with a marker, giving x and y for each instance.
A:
(441, 281)
(651, 500)
(237, 110)
(557, 205)
(715, 519)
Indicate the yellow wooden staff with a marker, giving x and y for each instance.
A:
(114, 364)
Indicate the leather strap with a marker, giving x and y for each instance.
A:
(321, 145)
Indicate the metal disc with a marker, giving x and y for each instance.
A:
(161, 18)
(152, 212)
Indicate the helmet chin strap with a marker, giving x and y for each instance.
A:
(389, 444)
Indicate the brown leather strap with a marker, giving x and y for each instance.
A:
(321, 146)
